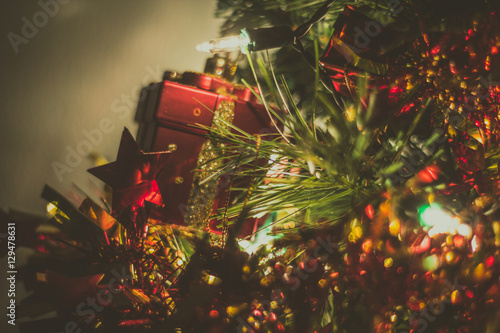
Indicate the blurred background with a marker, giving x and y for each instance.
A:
(71, 74)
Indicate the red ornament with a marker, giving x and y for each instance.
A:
(370, 212)
(490, 261)
(429, 174)
(469, 153)
(279, 327)
(133, 175)
(214, 314)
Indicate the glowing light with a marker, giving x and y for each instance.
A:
(450, 257)
(480, 273)
(244, 243)
(458, 241)
(496, 228)
(433, 232)
(474, 243)
(51, 209)
(453, 227)
(432, 215)
(465, 230)
(250, 246)
(431, 263)
(273, 158)
(350, 113)
(367, 246)
(490, 261)
(211, 280)
(439, 220)
(214, 314)
(388, 262)
(370, 212)
(358, 232)
(394, 227)
(226, 44)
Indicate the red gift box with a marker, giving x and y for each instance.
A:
(169, 114)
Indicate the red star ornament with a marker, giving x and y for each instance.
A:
(133, 175)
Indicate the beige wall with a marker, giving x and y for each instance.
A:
(83, 65)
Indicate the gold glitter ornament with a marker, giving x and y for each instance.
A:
(395, 227)
(480, 273)
(450, 257)
(266, 281)
(202, 195)
(388, 262)
(496, 230)
(234, 310)
(457, 297)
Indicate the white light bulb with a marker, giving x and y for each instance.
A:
(474, 244)
(225, 44)
(465, 230)
(434, 215)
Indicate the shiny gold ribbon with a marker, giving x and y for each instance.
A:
(204, 190)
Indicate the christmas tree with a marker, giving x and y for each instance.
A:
(378, 187)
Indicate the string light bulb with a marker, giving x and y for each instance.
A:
(250, 40)
(432, 215)
(225, 44)
(438, 220)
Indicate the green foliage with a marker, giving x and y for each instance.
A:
(239, 14)
(327, 170)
